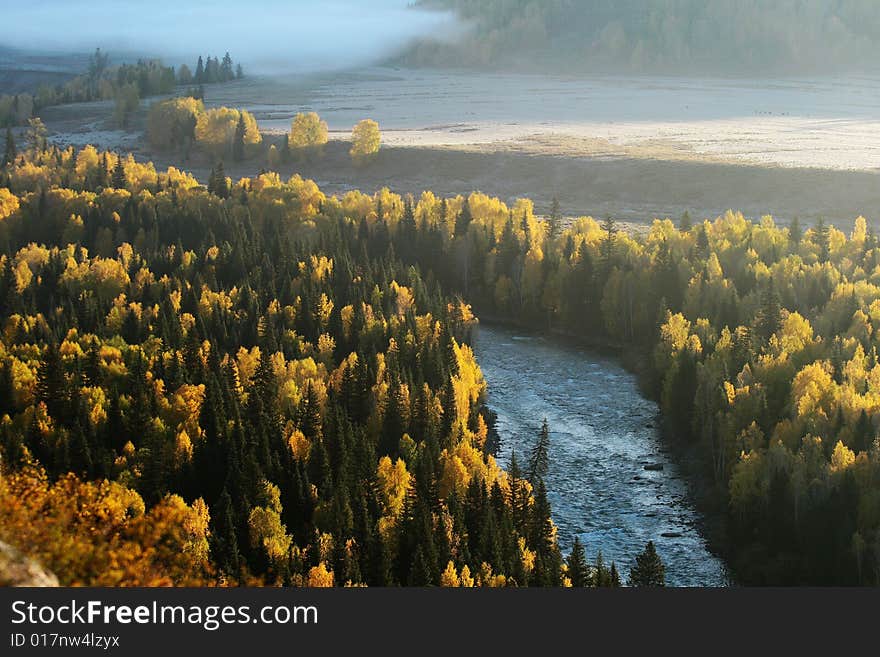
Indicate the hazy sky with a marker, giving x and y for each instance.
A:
(267, 35)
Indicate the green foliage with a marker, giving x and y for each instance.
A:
(125, 84)
(260, 349)
(539, 459)
(648, 569)
(760, 348)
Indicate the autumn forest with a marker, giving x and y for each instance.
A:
(223, 365)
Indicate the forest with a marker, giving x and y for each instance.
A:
(125, 84)
(252, 384)
(758, 341)
(660, 36)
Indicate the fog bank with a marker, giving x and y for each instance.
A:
(271, 36)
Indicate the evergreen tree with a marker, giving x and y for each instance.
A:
(118, 181)
(51, 386)
(200, 71)
(464, 219)
(768, 319)
(613, 576)
(821, 237)
(606, 251)
(10, 153)
(685, 224)
(648, 569)
(221, 185)
(238, 140)
(554, 221)
(578, 570)
(539, 460)
(795, 234)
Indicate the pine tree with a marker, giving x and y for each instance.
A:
(795, 234)
(118, 181)
(224, 539)
(238, 140)
(648, 569)
(685, 224)
(464, 219)
(578, 571)
(11, 152)
(539, 460)
(606, 249)
(601, 576)
(821, 236)
(200, 71)
(768, 320)
(554, 221)
(221, 185)
(51, 386)
(226, 68)
(614, 576)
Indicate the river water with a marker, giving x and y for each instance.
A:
(602, 434)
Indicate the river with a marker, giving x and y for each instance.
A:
(602, 434)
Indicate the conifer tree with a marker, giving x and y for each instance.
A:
(200, 71)
(221, 185)
(539, 460)
(464, 219)
(10, 152)
(238, 140)
(118, 181)
(613, 576)
(609, 227)
(822, 239)
(554, 221)
(648, 569)
(578, 571)
(795, 234)
(685, 224)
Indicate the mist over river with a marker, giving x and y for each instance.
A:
(602, 434)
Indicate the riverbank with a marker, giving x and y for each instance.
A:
(711, 518)
(612, 482)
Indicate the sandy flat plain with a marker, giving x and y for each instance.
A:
(634, 148)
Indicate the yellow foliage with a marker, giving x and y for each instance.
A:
(365, 141)
(449, 578)
(307, 131)
(98, 533)
(466, 580)
(266, 529)
(8, 203)
(215, 130)
(841, 458)
(320, 577)
(299, 445)
(394, 482)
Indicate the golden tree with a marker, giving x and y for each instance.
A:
(365, 141)
(308, 134)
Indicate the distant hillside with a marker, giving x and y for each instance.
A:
(661, 36)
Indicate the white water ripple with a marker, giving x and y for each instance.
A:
(602, 435)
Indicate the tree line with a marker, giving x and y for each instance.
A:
(233, 134)
(125, 84)
(659, 36)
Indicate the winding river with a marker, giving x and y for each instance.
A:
(602, 434)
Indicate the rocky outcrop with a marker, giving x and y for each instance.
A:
(18, 570)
